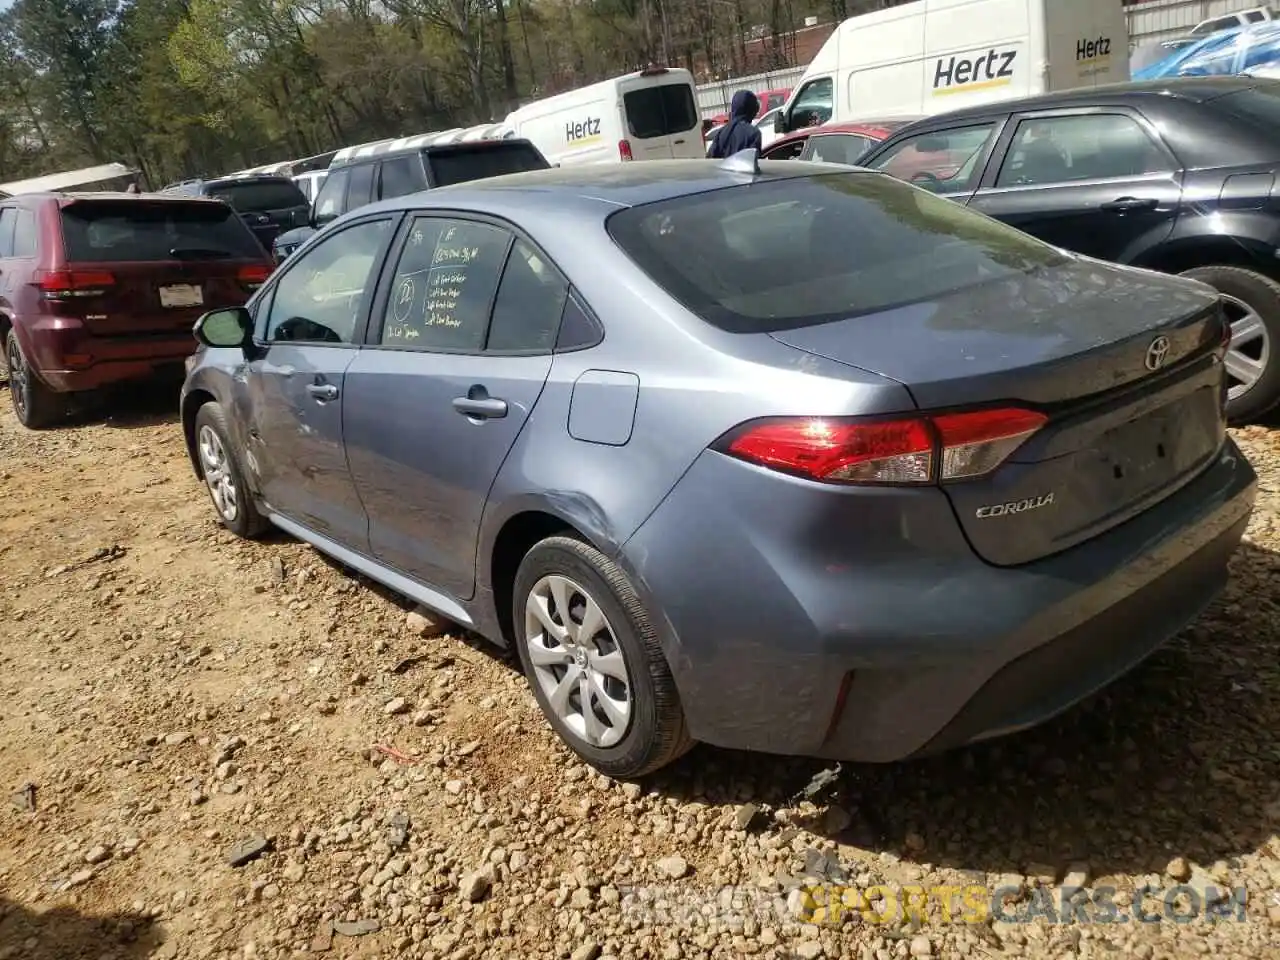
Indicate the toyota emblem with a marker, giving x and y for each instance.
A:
(1158, 353)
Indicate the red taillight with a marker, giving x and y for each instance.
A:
(254, 275)
(949, 446)
(63, 284)
(624, 150)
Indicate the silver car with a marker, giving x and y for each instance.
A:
(783, 456)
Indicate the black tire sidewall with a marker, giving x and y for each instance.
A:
(559, 556)
(1263, 295)
(43, 406)
(247, 520)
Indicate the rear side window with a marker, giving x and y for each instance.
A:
(401, 176)
(102, 230)
(258, 197)
(660, 111)
(361, 190)
(7, 218)
(24, 234)
(459, 165)
(332, 195)
(776, 256)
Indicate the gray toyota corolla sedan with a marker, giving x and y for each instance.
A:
(789, 457)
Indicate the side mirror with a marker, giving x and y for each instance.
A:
(780, 122)
(229, 327)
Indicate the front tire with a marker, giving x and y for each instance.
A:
(223, 474)
(34, 404)
(593, 659)
(1253, 359)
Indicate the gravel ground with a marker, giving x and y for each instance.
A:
(211, 748)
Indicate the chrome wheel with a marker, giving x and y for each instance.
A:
(17, 378)
(217, 474)
(577, 661)
(1250, 349)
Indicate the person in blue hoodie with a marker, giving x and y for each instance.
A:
(739, 133)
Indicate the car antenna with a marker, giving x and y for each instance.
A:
(744, 161)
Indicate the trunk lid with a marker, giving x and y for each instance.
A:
(154, 266)
(1079, 343)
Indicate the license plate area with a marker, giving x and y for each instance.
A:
(181, 295)
(1142, 456)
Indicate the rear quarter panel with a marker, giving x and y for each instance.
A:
(695, 383)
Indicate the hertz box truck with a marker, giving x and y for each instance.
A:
(931, 56)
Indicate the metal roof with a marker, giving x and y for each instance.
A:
(55, 182)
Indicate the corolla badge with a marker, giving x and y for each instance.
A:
(1158, 353)
(1013, 506)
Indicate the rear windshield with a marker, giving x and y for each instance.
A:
(660, 111)
(777, 255)
(489, 160)
(97, 231)
(259, 197)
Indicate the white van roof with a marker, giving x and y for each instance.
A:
(603, 88)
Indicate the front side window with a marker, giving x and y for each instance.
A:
(943, 161)
(778, 255)
(443, 286)
(320, 296)
(814, 104)
(836, 148)
(1092, 147)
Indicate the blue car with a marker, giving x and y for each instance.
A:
(779, 456)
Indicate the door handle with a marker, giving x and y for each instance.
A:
(1126, 204)
(680, 141)
(323, 391)
(477, 403)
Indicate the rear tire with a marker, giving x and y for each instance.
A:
(224, 476)
(34, 404)
(631, 725)
(1253, 307)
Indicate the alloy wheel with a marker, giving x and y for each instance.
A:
(577, 661)
(1250, 348)
(217, 474)
(17, 378)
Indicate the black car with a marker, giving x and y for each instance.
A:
(266, 202)
(391, 172)
(1176, 175)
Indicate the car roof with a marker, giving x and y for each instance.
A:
(876, 129)
(1196, 89)
(595, 188)
(80, 195)
(433, 149)
(252, 178)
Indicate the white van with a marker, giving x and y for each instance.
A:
(932, 56)
(649, 115)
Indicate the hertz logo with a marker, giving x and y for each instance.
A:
(583, 131)
(959, 74)
(1089, 50)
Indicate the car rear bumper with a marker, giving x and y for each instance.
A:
(69, 359)
(871, 631)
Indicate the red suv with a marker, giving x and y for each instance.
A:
(96, 288)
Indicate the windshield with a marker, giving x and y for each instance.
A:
(777, 255)
(133, 230)
(259, 196)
